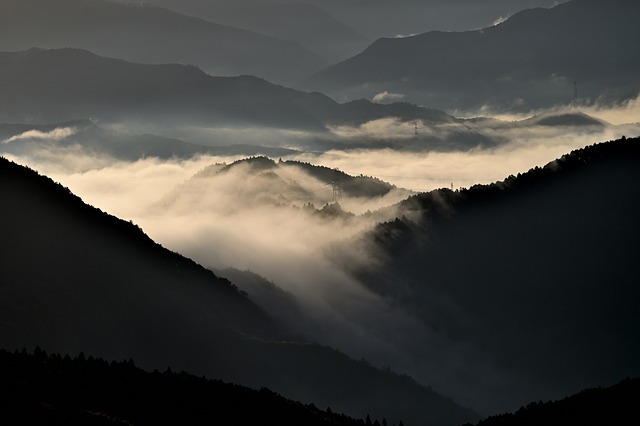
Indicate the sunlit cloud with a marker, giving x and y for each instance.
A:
(382, 128)
(432, 170)
(55, 134)
(405, 35)
(499, 20)
(627, 112)
(384, 97)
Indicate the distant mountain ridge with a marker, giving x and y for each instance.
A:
(148, 34)
(304, 22)
(381, 18)
(529, 61)
(59, 85)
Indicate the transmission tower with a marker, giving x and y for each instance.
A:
(337, 191)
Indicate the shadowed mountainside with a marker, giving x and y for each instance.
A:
(149, 34)
(529, 61)
(537, 273)
(76, 279)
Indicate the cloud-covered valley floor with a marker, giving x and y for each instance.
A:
(276, 221)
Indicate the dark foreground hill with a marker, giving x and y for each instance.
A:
(615, 405)
(529, 61)
(537, 273)
(51, 389)
(75, 279)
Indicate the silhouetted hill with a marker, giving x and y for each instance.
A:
(529, 61)
(305, 23)
(51, 389)
(261, 181)
(148, 34)
(564, 119)
(536, 273)
(75, 279)
(615, 405)
(355, 186)
(61, 85)
(32, 139)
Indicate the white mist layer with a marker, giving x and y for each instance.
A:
(235, 220)
(55, 134)
(432, 170)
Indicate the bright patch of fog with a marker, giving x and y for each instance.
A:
(382, 128)
(526, 147)
(55, 134)
(221, 135)
(405, 35)
(625, 113)
(499, 20)
(384, 97)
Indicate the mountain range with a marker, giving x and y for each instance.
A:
(485, 298)
(381, 18)
(149, 34)
(579, 51)
(66, 84)
(307, 23)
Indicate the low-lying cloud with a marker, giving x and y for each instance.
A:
(387, 97)
(258, 221)
(624, 113)
(55, 134)
(383, 128)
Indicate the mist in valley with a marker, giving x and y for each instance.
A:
(282, 219)
(293, 148)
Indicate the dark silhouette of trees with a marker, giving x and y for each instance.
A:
(50, 389)
(614, 405)
(538, 270)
